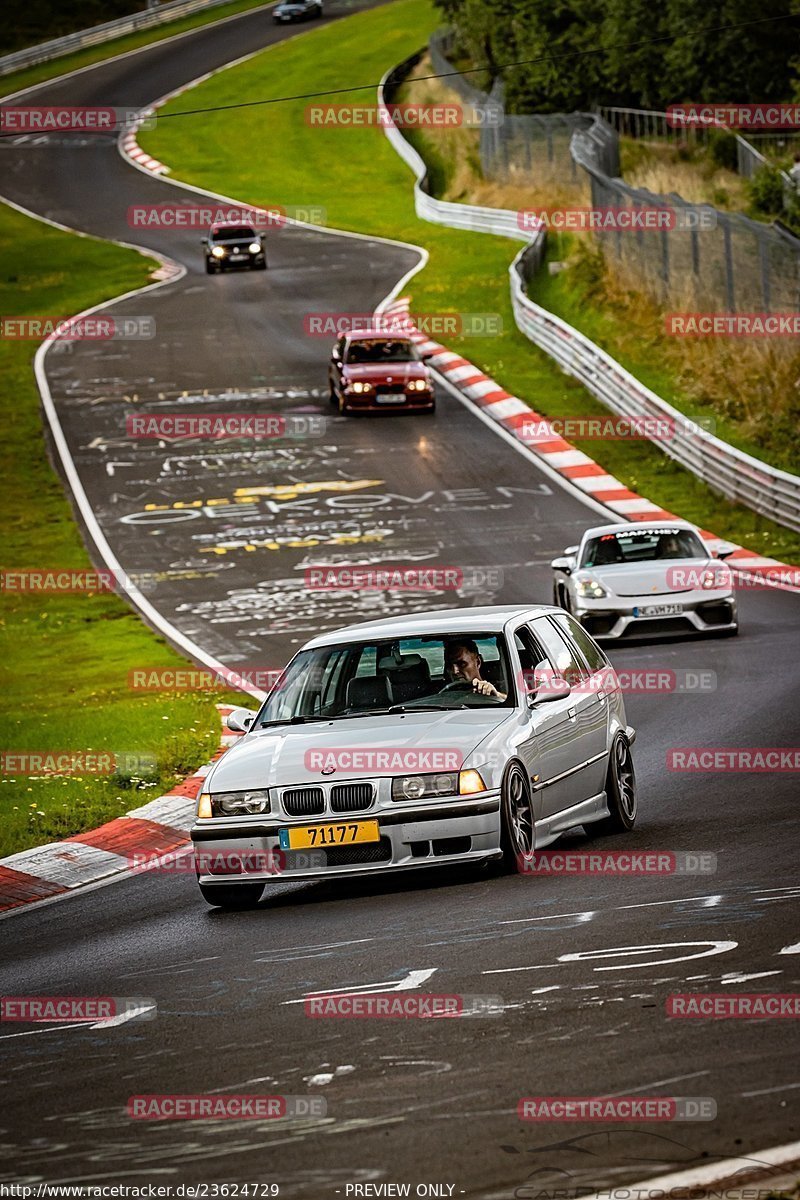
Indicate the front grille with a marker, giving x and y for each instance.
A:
(456, 845)
(715, 612)
(351, 797)
(660, 625)
(365, 852)
(304, 802)
(599, 623)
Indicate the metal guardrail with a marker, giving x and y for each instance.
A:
(502, 221)
(736, 475)
(149, 18)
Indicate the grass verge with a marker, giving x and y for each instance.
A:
(66, 657)
(30, 76)
(356, 176)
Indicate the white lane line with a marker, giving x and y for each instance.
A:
(743, 976)
(49, 1029)
(794, 949)
(122, 1018)
(787, 1087)
(413, 979)
(709, 902)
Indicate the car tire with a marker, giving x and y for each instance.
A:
(620, 790)
(344, 411)
(211, 268)
(261, 266)
(232, 895)
(516, 820)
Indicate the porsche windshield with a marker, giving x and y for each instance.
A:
(434, 673)
(642, 545)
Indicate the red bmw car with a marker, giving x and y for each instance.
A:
(373, 372)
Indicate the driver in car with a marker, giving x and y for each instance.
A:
(463, 662)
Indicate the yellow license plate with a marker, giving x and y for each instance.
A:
(343, 833)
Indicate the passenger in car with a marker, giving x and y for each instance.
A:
(463, 662)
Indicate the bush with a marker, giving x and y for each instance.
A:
(766, 191)
(722, 149)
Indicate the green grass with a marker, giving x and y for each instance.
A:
(120, 45)
(358, 178)
(66, 658)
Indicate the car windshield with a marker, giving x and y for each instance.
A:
(380, 350)
(641, 545)
(392, 674)
(232, 232)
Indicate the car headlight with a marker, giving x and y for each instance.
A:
(358, 386)
(418, 385)
(716, 579)
(234, 804)
(218, 251)
(590, 589)
(432, 787)
(254, 247)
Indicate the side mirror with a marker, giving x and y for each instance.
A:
(336, 354)
(426, 355)
(240, 720)
(565, 564)
(205, 241)
(725, 550)
(554, 688)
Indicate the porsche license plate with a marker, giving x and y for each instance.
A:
(344, 833)
(659, 610)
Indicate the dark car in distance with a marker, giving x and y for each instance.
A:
(296, 10)
(234, 246)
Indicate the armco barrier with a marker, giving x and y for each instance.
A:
(736, 475)
(147, 19)
(502, 221)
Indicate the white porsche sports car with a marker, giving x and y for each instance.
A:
(645, 580)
